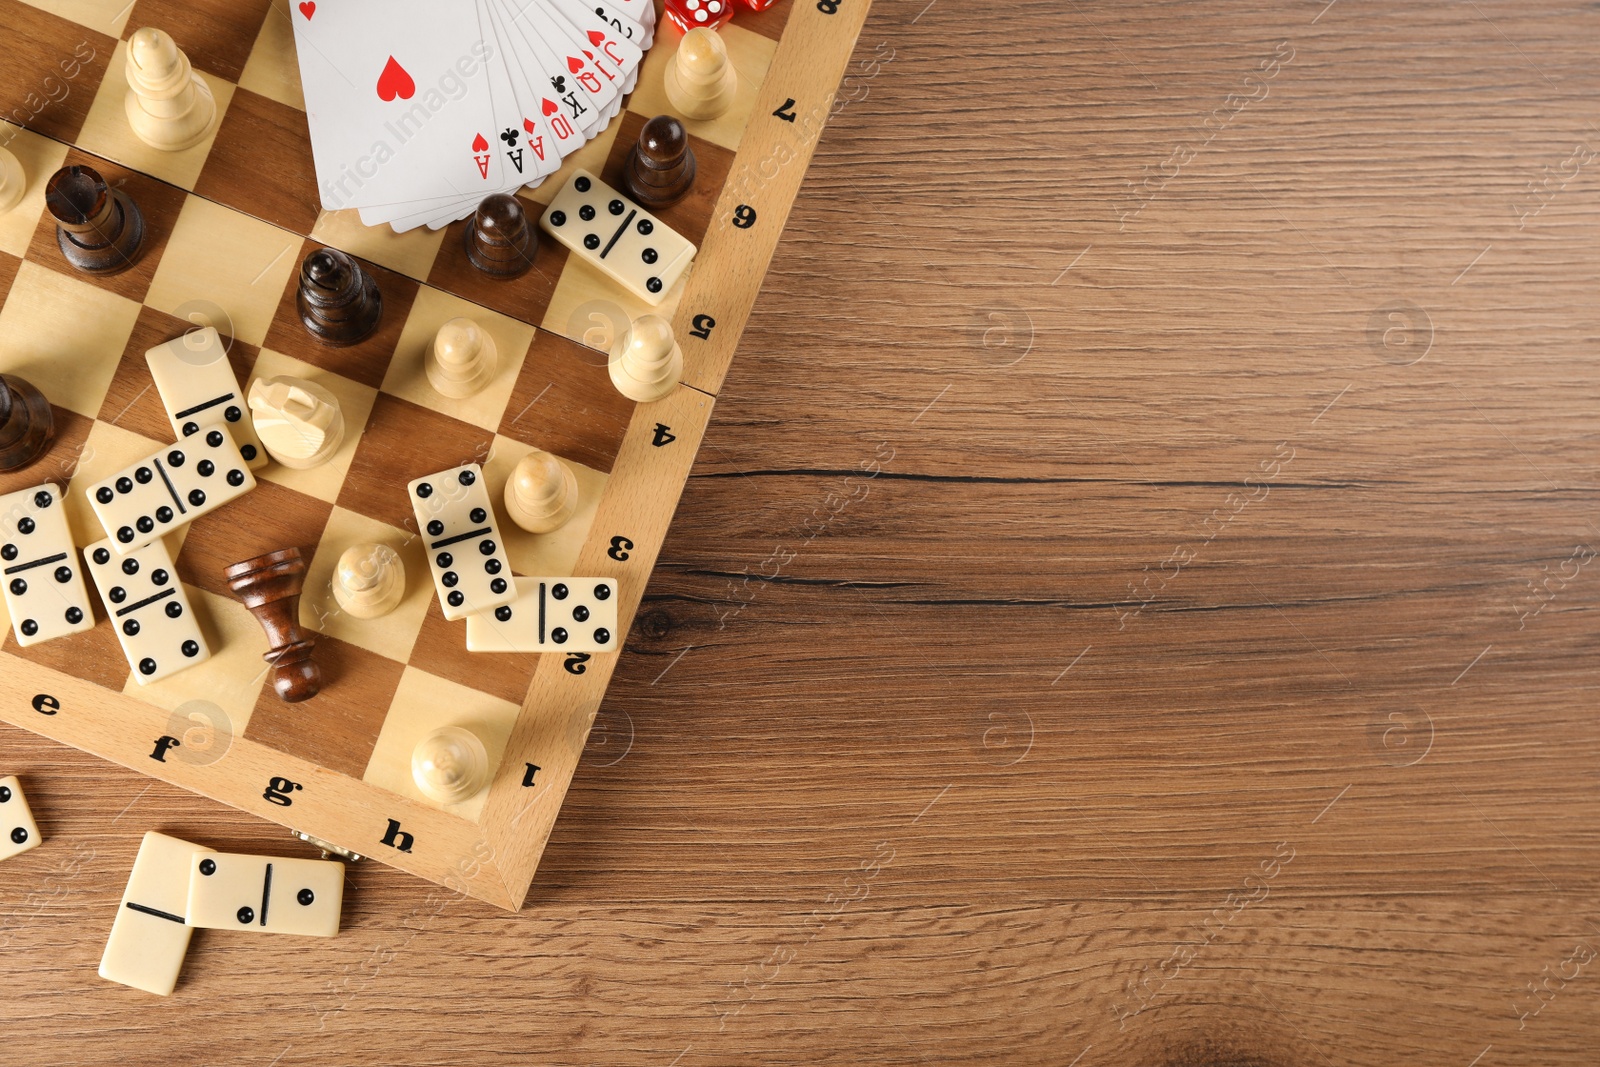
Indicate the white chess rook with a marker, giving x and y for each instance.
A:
(701, 80)
(646, 361)
(542, 493)
(462, 360)
(169, 106)
(299, 422)
(450, 765)
(369, 581)
(13, 181)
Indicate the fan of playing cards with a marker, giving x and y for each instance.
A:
(421, 108)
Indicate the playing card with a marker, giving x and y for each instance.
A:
(578, 90)
(400, 106)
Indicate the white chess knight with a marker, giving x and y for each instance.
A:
(299, 422)
(169, 106)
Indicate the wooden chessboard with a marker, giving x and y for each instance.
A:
(228, 223)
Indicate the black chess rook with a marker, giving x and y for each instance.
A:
(26, 425)
(99, 229)
(339, 303)
(498, 239)
(661, 165)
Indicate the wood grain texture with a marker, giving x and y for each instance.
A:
(1054, 740)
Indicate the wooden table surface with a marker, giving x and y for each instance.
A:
(1134, 605)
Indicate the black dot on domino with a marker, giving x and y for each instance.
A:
(117, 594)
(147, 666)
(558, 635)
(616, 207)
(214, 439)
(246, 916)
(653, 284)
(63, 574)
(445, 559)
(248, 452)
(159, 577)
(18, 587)
(456, 598)
(125, 535)
(649, 255)
(174, 610)
(503, 613)
(558, 218)
(586, 213)
(190, 429)
(8, 553)
(581, 184)
(104, 494)
(19, 836)
(497, 586)
(5, 793)
(42, 499)
(145, 524)
(646, 227)
(233, 414)
(197, 497)
(102, 556)
(29, 627)
(143, 475)
(435, 528)
(602, 592)
(477, 515)
(130, 566)
(602, 636)
(124, 484)
(486, 546)
(25, 525)
(591, 241)
(559, 591)
(492, 566)
(208, 867)
(163, 514)
(466, 477)
(306, 898)
(74, 616)
(449, 579)
(131, 628)
(175, 458)
(206, 468)
(190, 648)
(236, 478)
(424, 490)
(580, 613)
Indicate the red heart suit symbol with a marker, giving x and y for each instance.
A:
(394, 81)
(596, 37)
(307, 8)
(574, 64)
(548, 107)
(479, 144)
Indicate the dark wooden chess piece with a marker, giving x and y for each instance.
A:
(339, 303)
(26, 425)
(498, 239)
(100, 230)
(270, 587)
(660, 167)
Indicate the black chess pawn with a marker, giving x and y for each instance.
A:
(498, 239)
(660, 167)
(339, 302)
(26, 425)
(100, 230)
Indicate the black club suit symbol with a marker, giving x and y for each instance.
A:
(560, 83)
(509, 136)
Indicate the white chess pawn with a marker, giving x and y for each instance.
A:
(701, 80)
(542, 493)
(169, 106)
(646, 362)
(462, 359)
(450, 765)
(299, 422)
(13, 180)
(369, 581)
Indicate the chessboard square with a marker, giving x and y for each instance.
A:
(272, 69)
(107, 448)
(405, 442)
(266, 519)
(338, 727)
(40, 157)
(215, 36)
(365, 362)
(591, 157)
(230, 680)
(564, 401)
(53, 66)
(422, 704)
(102, 16)
(64, 335)
(550, 554)
(9, 265)
(411, 253)
(524, 298)
(132, 401)
(691, 216)
(58, 464)
(751, 55)
(106, 131)
(220, 255)
(257, 128)
(407, 377)
(158, 203)
(584, 289)
(391, 635)
(768, 23)
(441, 648)
(93, 655)
(355, 404)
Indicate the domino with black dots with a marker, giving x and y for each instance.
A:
(154, 621)
(44, 591)
(175, 485)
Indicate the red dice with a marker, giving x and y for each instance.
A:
(759, 5)
(693, 14)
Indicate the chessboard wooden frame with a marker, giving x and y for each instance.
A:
(495, 858)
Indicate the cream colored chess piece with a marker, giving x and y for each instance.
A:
(646, 362)
(700, 81)
(369, 581)
(450, 765)
(542, 493)
(298, 421)
(169, 106)
(462, 359)
(13, 180)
